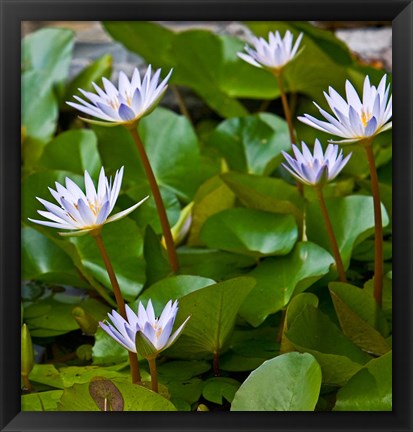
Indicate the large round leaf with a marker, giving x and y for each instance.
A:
(214, 264)
(39, 114)
(279, 278)
(135, 398)
(212, 197)
(352, 218)
(213, 310)
(313, 332)
(251, 144)
(106, 350)
(174, 288)
(218, 75)
(52, 316)
(172, 148)
(265, 193)
(74, 151)
(41, 401)
(49, 263)
(218, 388)
(370, 389)
(49, 50)
(251, 232)
(290, 382)
(360, 317)
(124, 244)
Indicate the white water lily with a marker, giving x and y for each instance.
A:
(314, 169)
(274, 54)
(156, 332)
(355, 119)
(82, 212)
(126, 104)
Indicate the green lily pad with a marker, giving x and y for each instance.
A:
(39, 115)
(265, 193)
(251, 144)
(49, 264)
(295, 307)
(73, 151)
(219, 388)
(313, 332)
(218, 75)
(182, 370)
(52, 316)
(212, 197)
(42, 401)
(49, 50)
(360, 318)
(106, 350)
(172, 288)
(171, 146)
(352, 218)
(290, 382)
(278, 279)
(214, 264)
(188, 391)
(370, 389)
(251, 232)
(135, 397)
(124, 244)
(157, 265)
(213, 310)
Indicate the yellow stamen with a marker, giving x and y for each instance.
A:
(365, 117)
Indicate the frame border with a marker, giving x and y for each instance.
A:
(12, 13)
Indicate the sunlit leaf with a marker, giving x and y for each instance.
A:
(213, 310)
(251, 232)
(278, 279)
(370, 389)
(290, 382)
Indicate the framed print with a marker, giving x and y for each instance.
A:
(206, 210)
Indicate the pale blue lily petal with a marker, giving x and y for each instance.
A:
(127, 104)
(274, 54)
(50, 224)
(371, 127)
(177, 332)
(84, 212)
(126, 113)
(357, 118)
(311, 169)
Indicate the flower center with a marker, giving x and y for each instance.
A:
(114, 103)
(158, 330)
(365, 117)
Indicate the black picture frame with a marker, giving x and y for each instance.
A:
(15, 11)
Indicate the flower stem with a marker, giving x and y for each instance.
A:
(166, 229)
(331, 235)
(215, 364)
(133, 360)
(288, 117)
(286, 107)
(378, 227)
(154, 374)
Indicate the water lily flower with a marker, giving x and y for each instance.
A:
(126, 104)
(82, 212)
(355, 119)
(144, 333)
(274, 54)
(318, 168)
